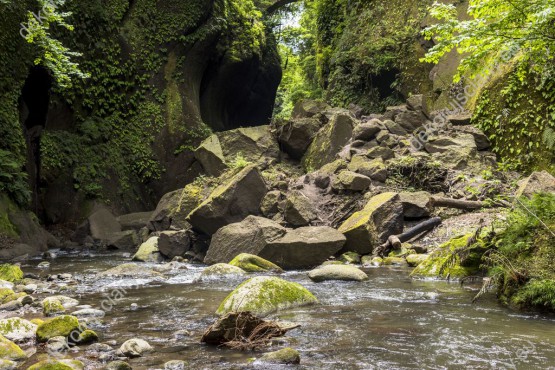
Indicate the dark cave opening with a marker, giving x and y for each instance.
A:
(384, 82)
(34, 105)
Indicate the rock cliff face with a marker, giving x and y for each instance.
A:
(164, 74)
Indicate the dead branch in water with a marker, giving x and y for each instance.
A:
(395, 241)
(244, 331)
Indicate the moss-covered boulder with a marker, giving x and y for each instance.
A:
(351, 181)
(8, 295)
(328, 142)
(352, 258)
(263, 295)
(253, 144)
(7, 365)
(86, 337)
(17, 329)
(452, 260)
(11, 273)
(394, 261)
(149, 252)
(58, 365)
(222, 270)
(414, 260)
(337, 272)
(59, 326)
(251, 263)
(373, 168)
(283, 356)
(56, 305)
(231, 202)
(381, 217)
(10, 351)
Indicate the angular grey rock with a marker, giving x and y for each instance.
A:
(352, 181)
(415, 205)
(299, 210)
(103, 224)
(537, 182)
(295, 136)
(211, 157)
(174, 243)
(134, 221)
(367, 131)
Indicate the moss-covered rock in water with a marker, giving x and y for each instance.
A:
(222, 269)
(414, 260)
(7, 365)
(251, 263)
(58, 326)
(118, 365)
(283, 356)
(446, 262)
(86, 337)
(263, 295)
(394, 261)
(58, 365)
(11, 273)
(10, 351)
(381, 217)
(149, 252)
(52, 307)
(352, 258)
(17, 329)
(337, 272)
(7, 295)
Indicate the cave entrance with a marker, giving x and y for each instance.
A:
(34, 103)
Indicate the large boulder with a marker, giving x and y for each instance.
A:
(134, 221)
(337, 272)
(174, 243)
(263, 295)
(299, 209)
(416, 205)
(149, 252)
(296, 135)
(211, 156)
(308, 108)
(375, 169)
(127, 239)
(381, 217)
(174, 207)
(351, 181)
(367, 131)
(452, 143)
(304, 247)
(535, 183)
(329, 141)
(248, 236)
(254, 144)
(134, 348)
(103, 224)
(230, 202)
(57, 365)
(11, 273)
(129, 270)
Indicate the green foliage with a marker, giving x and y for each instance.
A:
(239, 162)
(53, 54)
(517, 112)
(521, 261)
(13, 181)
(496, 31)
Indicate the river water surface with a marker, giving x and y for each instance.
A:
(387, 322)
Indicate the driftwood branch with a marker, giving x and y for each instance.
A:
(395, 241)
(456, 203)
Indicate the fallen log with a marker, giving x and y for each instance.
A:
(456, 203)
(395, 241)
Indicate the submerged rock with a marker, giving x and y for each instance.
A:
(283, 356)
(118, 365)
(10, 351)
(175, 365)
(149, 252)
(135, 348)
(337, 272)
(251, 263)
(17, 329)
(381, 217)
(230, 202)
(263, 295)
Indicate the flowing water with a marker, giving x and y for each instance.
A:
(387, 322)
